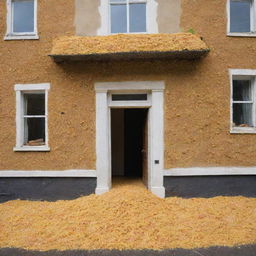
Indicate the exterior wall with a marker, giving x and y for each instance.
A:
(197, 94)
(47, 189)
(168, 16)
(197, 125)
(87, 17)
(71, 97)
(210, 186)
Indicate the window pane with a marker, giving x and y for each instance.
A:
(137, 17)
(242, 114)
(242, 90)
(34, 104)
(23, 16)
(34, 131)
(120, 97)
(118, 18)
(240, 16)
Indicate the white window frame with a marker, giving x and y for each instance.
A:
(240, 74)
(130, 103)
(252, 22)
(151, 17)
(10, 35)
(29, 88)
(128, 2)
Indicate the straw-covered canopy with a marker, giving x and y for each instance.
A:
(129, 46)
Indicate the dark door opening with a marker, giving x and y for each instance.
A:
(129, 142)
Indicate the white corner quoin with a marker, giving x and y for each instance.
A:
(155, 90)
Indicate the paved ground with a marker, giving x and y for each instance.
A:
(249, 250)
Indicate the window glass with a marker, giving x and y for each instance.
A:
(34, 131)
(242, 114)
(34, 119)
(34, 104)
(137, 17)
(118, 18)
(240, 16)
(120, 97)
(242, 90)
(242, 109)
(23, 16)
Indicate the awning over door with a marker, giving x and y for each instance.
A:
(128, 47)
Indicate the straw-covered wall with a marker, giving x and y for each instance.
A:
(197, 93)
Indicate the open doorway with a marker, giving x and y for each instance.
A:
(154, 102)
(129, 142)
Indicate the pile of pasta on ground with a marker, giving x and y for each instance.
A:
(128, 217)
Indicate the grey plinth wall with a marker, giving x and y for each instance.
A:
(49, 189)
(210, 186)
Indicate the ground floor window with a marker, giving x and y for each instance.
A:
(31, 117)
(243, 101)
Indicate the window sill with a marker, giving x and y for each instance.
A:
(130, 33)
(32, 148)
(243, 131)
(249, 34)
(21, 37)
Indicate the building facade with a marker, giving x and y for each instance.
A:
(63, 116)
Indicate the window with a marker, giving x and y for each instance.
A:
(31, 117)
(21, 19)
(241, 17)
(123, 97)
(131, 98)
(243, 101)
(128, 16)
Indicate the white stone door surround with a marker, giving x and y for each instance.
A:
(156, 131)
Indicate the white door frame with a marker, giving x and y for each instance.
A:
(156, 132)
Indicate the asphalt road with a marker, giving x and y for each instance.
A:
(248, 250)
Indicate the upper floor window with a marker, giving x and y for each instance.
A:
(21, 19)
(128, 16)
(241, 17)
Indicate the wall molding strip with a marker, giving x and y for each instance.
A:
(57, 174)
(190, 171)
(210, 171)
